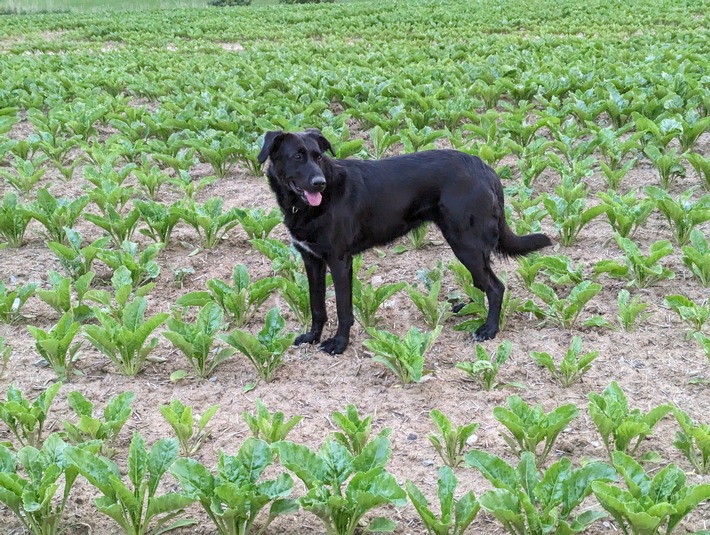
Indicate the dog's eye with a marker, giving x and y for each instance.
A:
(297, 156)
(319, 157)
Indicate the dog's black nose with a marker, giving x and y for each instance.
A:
(318, 182)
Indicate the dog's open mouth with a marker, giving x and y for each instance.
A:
(312, 198)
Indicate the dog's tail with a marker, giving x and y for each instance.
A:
(509, 243)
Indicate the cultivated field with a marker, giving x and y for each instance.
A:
(128, 145)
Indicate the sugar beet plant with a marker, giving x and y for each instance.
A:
(269, 427)
(367, 299)
(485, 367)
(57, 347)
(572, 367)
(182, 421)
(693, 440)
(209, 221)
(354, 432)
(11, 301)
(451, 441)
(696, 257)
(26, 420)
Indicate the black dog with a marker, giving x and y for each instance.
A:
(335, 209)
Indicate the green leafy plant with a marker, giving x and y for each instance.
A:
(682, 214)
(650, 505)
(11, 301)
(55, 214)
(218, 149)
(119, 227)
(257, 222)
(693, 440)
(485, 367)
(26, 420)
(266, 350)
(124, 339)
(5, 354)
(382, 140)
(31, 493)
(295, 292)
(25, 174)
(617, 424)
(14, 219)
(269, 427)
(696, 257)
(701, 164)
(435, 312)
(234, 497)
(136, 508)
(693, 314)
(342, 488)
(667, 163)
(141, 264)
(180, 418)
(284, 260)
(572, 367)
(626, 213)
(526, 503)
(456, 515)
(196, 341)
(641, 270)
(416, 239)
(75, 259)
(570, 215)
(528, 427)
(562, 311)
(451, 441)
(92, 428)
(60, 296)
(151, 178)
(631, 311)
(209, 221)
(367, 299)
(402, 356)
(122, 284)
(240, 301)
(354, 432)
(161, 219)
(57, 346)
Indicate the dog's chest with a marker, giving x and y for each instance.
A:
(308, 247)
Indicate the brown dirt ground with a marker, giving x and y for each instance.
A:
(652, 364)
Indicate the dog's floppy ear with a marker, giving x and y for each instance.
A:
(323, 142)
(272, 140)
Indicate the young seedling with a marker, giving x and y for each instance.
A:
(667, 163)
(626, 213)
(14, 219)
(526, 503)
(696, 257)
(25, 419)
(295, 292)
(181, 420)
(650, 505)
(456, 515)
(701, 164)
(60, 296)
(416, 239)
(704, 342)
(185, 185)
(75, 259)
(57, 346)
(124, 339)
(122, 284)
(402, 356)
(366, 298)
(564, 312)
(218, 149)
(284, 260)
(619, 426)
(151, 178)
(196, 341)
(5, 354)
(136, 508)
(435, 312)
(269, 427)
(694, 315)
(570, 215)
(234, 496)
(631, 311)
(161, 219)
(257, 222)
(240, 301)
(109, 193)
(208, 219)
(90, 428)
(141, 264)
(528, 427)
(55, 214)
(693, 440)
(343, 488)
(484, 369)
(682, 214)
(31, 493)
(12, 301)
(354, 432)
(640, 270)
(266, 350)
(572, 367)
(382, 140)
(452, 441)
(25, 174)
(119, 227)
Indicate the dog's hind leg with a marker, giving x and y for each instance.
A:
(474, 253)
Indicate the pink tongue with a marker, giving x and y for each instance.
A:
(313, 199)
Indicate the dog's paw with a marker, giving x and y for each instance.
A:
(485, 332)
(308, 338)
(334, 346)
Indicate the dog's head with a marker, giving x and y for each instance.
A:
(297, 161)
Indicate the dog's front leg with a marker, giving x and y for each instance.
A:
(315, 270)
(342, 271)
